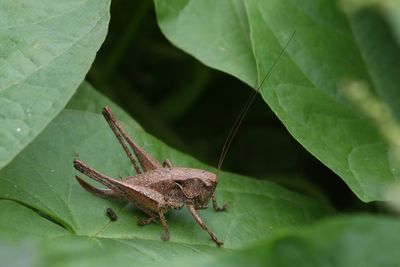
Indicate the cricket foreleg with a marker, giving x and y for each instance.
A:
(165, 235)
(167, 163)
(200, 222)
(215, 205)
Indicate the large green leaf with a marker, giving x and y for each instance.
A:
(390, 10)
(42, 178)
(243, 38)
(46, 49)
(359, 241)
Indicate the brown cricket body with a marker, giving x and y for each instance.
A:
(157, 188)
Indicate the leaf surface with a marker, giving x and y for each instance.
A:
(336, 241)
(46, 49)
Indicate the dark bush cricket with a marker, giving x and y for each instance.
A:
(158, 188)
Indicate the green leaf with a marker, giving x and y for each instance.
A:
(46, 49)
(243, 38)
(89, 100)
(389, 9)
(360, 240)
(42, 178)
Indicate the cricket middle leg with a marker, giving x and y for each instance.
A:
(165, 235)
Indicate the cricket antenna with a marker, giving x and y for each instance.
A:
(246, 107)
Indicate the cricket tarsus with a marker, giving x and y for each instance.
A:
(215, 205)
(246, 107)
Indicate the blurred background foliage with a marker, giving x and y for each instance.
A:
(192, 107)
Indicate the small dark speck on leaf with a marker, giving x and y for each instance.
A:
(111, 214)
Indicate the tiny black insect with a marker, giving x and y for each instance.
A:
(111, 214)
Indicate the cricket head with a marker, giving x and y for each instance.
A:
(199, 188)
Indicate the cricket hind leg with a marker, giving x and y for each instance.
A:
(147, 162)
(111, 120)
(215, 205)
